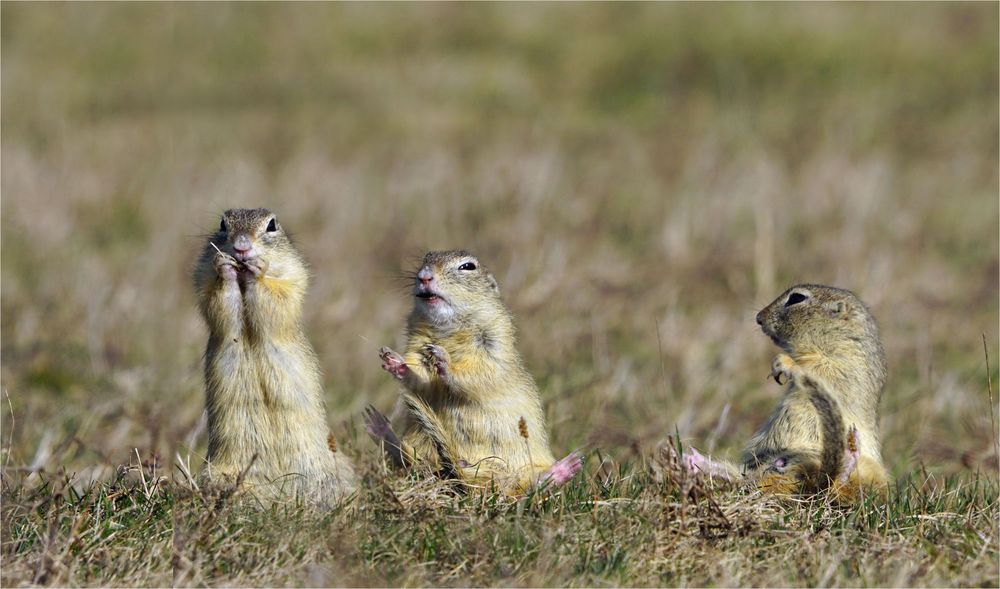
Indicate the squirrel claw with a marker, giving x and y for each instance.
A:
(393, 363)
(257, 266)
(437, 358)
(380, 429)
(226, 266)
(781, 368)
(376, 424)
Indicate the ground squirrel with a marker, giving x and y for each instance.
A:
(835, 368)
(469, 407)
(263, 395)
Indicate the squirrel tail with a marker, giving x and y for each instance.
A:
(420, 412)
(832, 425)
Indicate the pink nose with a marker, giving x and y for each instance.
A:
(425, 276)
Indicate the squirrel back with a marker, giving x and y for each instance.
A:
(835, 363)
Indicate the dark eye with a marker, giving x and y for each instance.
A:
(795, 298)
(467, 266)
(222, 225)
(272, 225)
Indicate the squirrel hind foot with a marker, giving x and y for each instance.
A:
(563, 470)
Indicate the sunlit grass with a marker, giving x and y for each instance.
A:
(641, 178)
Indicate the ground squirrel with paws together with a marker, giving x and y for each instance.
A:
(824, 432)
(468, 407)
(263, 393)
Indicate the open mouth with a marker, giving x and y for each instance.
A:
(428, 297)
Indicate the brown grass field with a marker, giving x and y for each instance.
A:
(641, 178)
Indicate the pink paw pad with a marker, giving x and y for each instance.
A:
(564, 470)
(393, 363)
(694, 460)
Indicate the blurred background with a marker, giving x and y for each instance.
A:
(641, 178)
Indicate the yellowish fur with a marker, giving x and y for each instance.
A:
(263, 391)
(467, 421)
(836, 370)
(824, 432)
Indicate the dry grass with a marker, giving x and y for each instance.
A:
(641, 178)
(638, 526)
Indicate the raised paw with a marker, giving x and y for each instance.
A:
(256, 266)
(436, 357)
(850, 460)
(226, 266)
(782, 368)
(393, 363)
(563, 470)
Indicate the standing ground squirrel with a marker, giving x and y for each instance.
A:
(263, 395)
(835, 366)
(469, 406)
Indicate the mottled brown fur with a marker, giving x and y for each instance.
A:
(836, 369)
(824, 432)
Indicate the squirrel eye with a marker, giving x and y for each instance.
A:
(222, 225)
(467, 266)
(272, 225)
(795, 298)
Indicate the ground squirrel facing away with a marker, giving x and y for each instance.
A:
(469, 407)
(824, 431)
(263, 395)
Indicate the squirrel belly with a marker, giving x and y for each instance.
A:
(263, 393)
(469, 407)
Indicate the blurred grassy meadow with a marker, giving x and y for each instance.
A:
(641, 178)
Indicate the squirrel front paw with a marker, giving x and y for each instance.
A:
(393, 363)
(226, 266)
(256, 266)
(783, 368)
(436, 357)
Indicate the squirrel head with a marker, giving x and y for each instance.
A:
(816, 319)
(452, 285)
(247, 233)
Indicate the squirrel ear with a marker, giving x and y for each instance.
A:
(835, 308)
(493, 282)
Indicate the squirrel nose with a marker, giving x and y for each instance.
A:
(425, 275)
(242, 244)
(760, 318)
